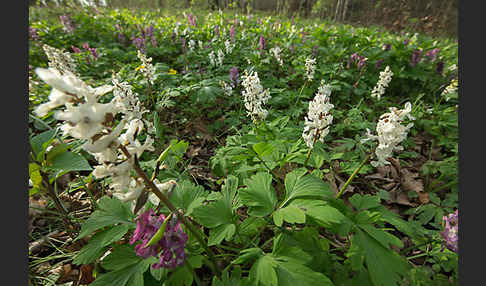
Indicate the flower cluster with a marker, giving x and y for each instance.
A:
(355, 58)
(385, 78)
(390, 133)
(220, 58)
(33, 34)
(129, 104)
(67, 23)
(310, 68)
(60, 61)
(228, 46)
(147, 69)
(85, 118)
(432, 54)
(149, 34)
(139, 43)
(254, 96)
(228, 90)
(415, 58)
(191, 44)
(451, 230)
(212, 58)
(170, 246)
(450, 89)
(276, 53)
(318, 119)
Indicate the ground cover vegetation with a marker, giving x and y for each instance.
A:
(214, 148)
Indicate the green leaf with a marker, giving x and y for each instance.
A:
(382, 236)
(291, 274)
(298, 186)
(263, 148)
(111, 211)
(55, 151)
(40, 142)
(121, 257)
(34, 174)
(69, 161)
(181, 276)
(290, 214)
(217, 234)
(324, 214)
(248, 255)
(364, 202)
(97, 243)
(131, 274)
(259, 196)
(214, 214)
(263, 271)
(376, 255)
(188, 196)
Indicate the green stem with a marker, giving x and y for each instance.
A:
(310, 150)
(353, 175)
(298, 96)
(417, 246)
(445, 186)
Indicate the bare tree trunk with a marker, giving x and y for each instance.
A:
(345, 9)
(338, 7)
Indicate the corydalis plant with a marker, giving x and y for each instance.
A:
(382, 84)
(390, 133)
(254, 96)
(169, 249)
(147, 69)
(276, 54)
(310, 68)
(60, 61)
(451, 231)
(318, 118)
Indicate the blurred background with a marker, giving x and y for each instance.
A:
(432, 17)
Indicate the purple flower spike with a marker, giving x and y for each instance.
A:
(93, 53)
(139, 44)
(432, 54)
(440, 67)
(171, 246)
(85, 46)
(67, 23)
(234, 76)
(33, 34)
(405, 42)
(361, 62)
(415, 58)
(216, 31)
(76, 49)
(232, 33)
(174, 241)
(262, 42)
(378, 63)
(451, 233)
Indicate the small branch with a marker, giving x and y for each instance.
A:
(34, 246)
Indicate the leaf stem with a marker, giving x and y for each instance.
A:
(353, 175)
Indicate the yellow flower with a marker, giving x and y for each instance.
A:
(172, 71)
(140, 67)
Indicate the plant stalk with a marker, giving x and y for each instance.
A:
(353, 175)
